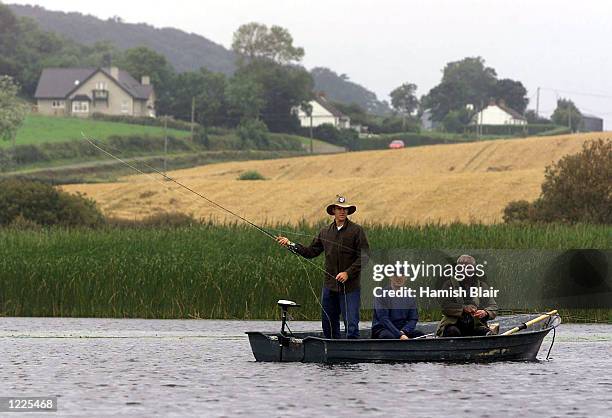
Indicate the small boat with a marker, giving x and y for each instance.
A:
(522, 344)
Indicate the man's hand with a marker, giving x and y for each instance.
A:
(342, 276)
(469, 309)
(481, 313)
(282, 241)
(404, 337)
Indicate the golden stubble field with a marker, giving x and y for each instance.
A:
(441, 183)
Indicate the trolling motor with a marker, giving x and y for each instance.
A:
(284, 339)
(285, 305)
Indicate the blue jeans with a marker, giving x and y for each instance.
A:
(336, 303)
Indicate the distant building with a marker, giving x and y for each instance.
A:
(83, 91)
(323, 112)
(427, 123)
(498, 114)
(591, 123)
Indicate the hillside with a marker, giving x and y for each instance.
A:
(38, 129)
(444, 183)
(185, 51)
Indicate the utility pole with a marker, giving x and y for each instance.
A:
(192, 115)
(538, 104)
(165, 142)
(311, 145)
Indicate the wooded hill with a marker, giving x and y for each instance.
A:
(185, 51)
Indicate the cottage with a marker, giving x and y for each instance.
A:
(497, 113)
(83, 91)
(323, 112)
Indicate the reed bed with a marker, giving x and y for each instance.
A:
(226, 271)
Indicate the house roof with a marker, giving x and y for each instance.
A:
(59, 83)
(514, 113)
(328, 106)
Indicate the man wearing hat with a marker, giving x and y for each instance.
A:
(346, 248)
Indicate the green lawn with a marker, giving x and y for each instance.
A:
(38, 129)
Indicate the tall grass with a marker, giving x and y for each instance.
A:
(210, 271)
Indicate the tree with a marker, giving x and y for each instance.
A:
(142, 61)
(245, 97)
(255, 41)
(513, 93)
(470, 81)
(532, 117)
(567, 114)
(208, 89)
(284, 88)
(403, 98)
(12, 109)
(578, 188)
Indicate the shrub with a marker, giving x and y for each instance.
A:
(169, 220)
(28, 201)
(144, 120)
(517, 211)
(251, 175)
(578, 188)
(253, 133)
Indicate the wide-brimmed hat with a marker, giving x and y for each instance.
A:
(342, 202)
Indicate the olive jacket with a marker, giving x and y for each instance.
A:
(452, 308)
(346, 249)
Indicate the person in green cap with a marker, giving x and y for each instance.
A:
(346, 250)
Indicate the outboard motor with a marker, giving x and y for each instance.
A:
(284, 337)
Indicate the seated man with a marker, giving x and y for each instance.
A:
(395, 317)
(466, 316)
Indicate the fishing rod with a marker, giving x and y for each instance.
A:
(292, 248)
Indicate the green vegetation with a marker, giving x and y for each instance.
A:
(209, 271)
(38, 129)
(577, 188)
(251, 175)
(37, 204)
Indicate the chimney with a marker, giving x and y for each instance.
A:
(502, 102)
(145, 80)
(114, 72)
(492, 102)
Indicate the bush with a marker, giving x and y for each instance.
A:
(576, 189)
(28, 201)
(253, 133)
(144, 120)
(517, 211)
(251, 175)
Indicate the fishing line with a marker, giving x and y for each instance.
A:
(92, 142)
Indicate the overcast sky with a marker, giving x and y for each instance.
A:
(559, 45)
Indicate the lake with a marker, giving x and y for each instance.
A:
(135, 367)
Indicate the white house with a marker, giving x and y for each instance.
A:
(498, 114)
(323, 112)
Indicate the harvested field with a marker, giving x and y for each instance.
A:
(469, 182)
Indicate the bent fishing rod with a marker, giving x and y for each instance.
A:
(291, 247)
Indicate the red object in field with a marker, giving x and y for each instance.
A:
(396, 144)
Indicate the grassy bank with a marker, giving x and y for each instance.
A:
(38, 129)
(210, 271)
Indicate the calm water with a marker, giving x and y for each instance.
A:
(205, 368)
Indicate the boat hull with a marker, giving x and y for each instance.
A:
(313, 348)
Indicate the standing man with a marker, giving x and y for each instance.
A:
(346, 248)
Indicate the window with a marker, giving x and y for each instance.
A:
(58, 104)
(101, 85)
(125, 106)
(80, 107)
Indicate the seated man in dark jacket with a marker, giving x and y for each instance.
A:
(395, 317)
(466, 316)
